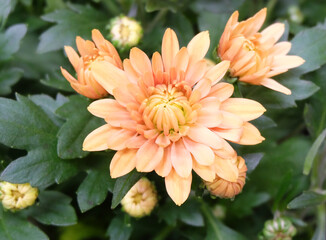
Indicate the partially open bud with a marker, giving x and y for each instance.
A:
(125, 32)
(141, 199)
(278, 229)
(224, 188)
(17, 196)
(100, 50)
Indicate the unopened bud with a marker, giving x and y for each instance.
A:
(141, 199)
(278, 229)
(295, 14)
(17, 196)
(125, 32)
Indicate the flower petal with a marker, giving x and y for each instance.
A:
(272, 84)
(149, 156)
(205, 136)
(287, 62)
(164, 167)
(123, 162)
(222, 91)
(72, 56)
(205, 172)
(203, 154)
(226, 169)
(140, 61)
(181, 159)
(216, 73)
(198, 46)
(170, 48)
(274, 31)
(250, 135)
(177, 187)
(105, 107)
(97, 140)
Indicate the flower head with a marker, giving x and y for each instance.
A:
(102, 50)
(171, 115)
(141, 199)
(125, 32)
(225, 186)
(255, 56)
(17, 196)
(278, 229)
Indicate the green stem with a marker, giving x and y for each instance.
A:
(157, 19)
(237, 91)
(164, 233)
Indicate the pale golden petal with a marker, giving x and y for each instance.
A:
(123, 162)
(181, 159)
(165, 166)
(250, 135)
(98, 139)
(274, 31)
(203, 154)
(205, 172)
(149, 156)
(226, 169)
(272, 84)
(287, 62)
(281, 48)
(205, 136)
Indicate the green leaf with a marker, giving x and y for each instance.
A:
(57, 81)
(25, 126)
(264, 122)
(307, 199)
(301, 89)
(172, 5)
(10, 40)
(14, 227)
(252, 160)
(54, 209)
(310, 44)
(118, 229)
(313, 152)
(216, 230)
(182, 26)
(218, 7)
(94, 188)
(123, 185)
(78, 125)
(76, 21)
(4, 11)
(8, 77)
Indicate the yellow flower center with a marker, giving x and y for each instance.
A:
(16, 194)
(168, 110)
(89, 59)
(249, 45)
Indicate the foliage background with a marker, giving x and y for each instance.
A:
(43, 123)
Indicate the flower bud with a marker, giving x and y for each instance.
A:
(226, 189)
(125, 32)
(100, 50)
(295, 14)
(278, 229)
(141, 199)
(17, 196)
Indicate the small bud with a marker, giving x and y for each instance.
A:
(141, 199)
(17, 196)
(295, 14)
(125, 32)
(278, 229)
(219, 211)
(226, 189)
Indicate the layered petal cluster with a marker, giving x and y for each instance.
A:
(171, 115)
(224, 187)
(97, 51)
(255, 56)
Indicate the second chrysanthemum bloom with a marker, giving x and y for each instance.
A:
(170, 115)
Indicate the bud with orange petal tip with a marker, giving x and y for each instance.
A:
(17, 196)
(141, 199)
(255, 56)
(222, 186)
(125, 32)
(90, 52)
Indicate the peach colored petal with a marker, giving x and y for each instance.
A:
(250, 135)
(272, 84)
(216, 73)
(221, 91)
(140, 61)
(233, 134)
(162, 140)
(164, 167)
(287, 62)
(177, 187)
(149, 156)
(181, 60)
(226, 169)
(85, 47)
(274, 31)
(203, 154)
(245, 108)
(209, 115)
(131, 73)
(123, 96)
(196, 72)
(205, 172)
(68, 76)
(157, 63)
(170, 48)
(234, 46)
(123, 162)
(227, 31)
(226, 150)
(281, 48)
(203, 86)
(205, 136)
(72, 56)
(105, 107)
(98, 139)
(198, 46)
(255, 23)
(136, 141)
(181, 159)
(230, 120)
(108, 75)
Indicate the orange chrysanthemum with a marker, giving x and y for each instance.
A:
(225, 187)
(255, 56)
(171, 115)
(103, 51)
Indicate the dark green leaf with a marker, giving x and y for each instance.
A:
(10, 40)
(313, 152)
(172, 5)
(4, 11)
(25, 126)
(182, 26)
(54, 209)
(218, 7)
(118, 229)
(14, 227)
(78, 125)
(76, 21)
(94, 188)
(301, 89)
(252, 160)
(263, 122)
(123, 185)
(8, 78)
(57, 81)
(307, 199)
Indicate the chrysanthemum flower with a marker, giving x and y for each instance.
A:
(17, 196)
(125, 32)
(171, 115)
(255, 56)
(225, 187)
(141, 199)
(102, 50)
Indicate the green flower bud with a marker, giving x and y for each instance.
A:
(278, 229)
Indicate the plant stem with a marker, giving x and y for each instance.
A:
(157, 18)
(164, 233)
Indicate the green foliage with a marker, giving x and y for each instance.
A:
(307, 199)
(119, 229)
